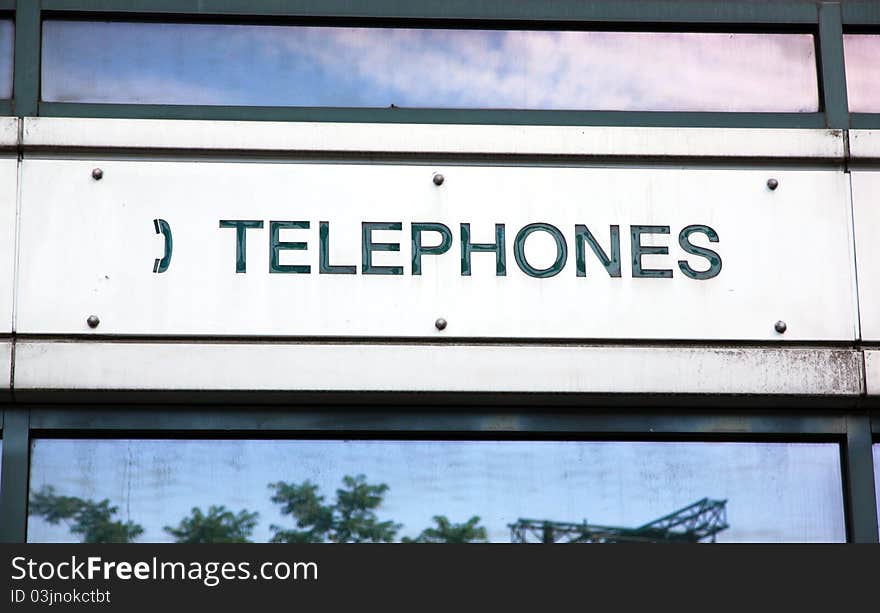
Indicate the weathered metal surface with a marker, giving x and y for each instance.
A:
(434, 139)
(5, 364)
(866, 221)
(97, 365)
(872, 372)
(8, 188)
(9, 132)
(864, 144)
(307, 249)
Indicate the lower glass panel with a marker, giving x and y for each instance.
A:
(501, 491)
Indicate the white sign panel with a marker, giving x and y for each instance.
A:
(866, 215)
(8, 190)
(368, 250)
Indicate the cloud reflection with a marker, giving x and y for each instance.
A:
(427, 68)
(862, 53)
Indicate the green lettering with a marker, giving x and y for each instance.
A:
(368, 247)
(418, 249)
(324, 265)
(519, 250)
(638, 250)
(711, 256)
(582, 235)
(497, 247)
(241, 226)
(276, 246)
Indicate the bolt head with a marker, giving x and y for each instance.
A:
(93, 321)
(440, 324)
(772, 184)
(438, 178)
(97, 174)
(780, 327)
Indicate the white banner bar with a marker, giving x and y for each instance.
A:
(436, 368)
(440, 139)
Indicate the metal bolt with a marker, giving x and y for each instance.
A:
(772, 184)
(438, 179)
(93, 321)
(97, 174)
(440, 324)
(780, 326)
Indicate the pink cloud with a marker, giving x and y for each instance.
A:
(576, 70)
(862, 53)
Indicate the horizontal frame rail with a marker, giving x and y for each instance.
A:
(25, 423)
(826, 20)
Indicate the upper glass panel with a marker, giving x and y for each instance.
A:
(502, 491)
(7, 45)
(255, 65)
(862, 53)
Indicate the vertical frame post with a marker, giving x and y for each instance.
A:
(832, 66)
(14, 475)
(26, 75)
(861, 501)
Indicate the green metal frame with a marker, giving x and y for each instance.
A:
(854, 428)
(851, 429)
(824, 20)
(862, 17)
(827, 20)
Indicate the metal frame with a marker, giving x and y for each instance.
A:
(825, 20)
(862, 18)
(854, 428)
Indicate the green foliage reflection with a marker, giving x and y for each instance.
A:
(351, 517)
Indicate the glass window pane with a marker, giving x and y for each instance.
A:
(210, 64)
(7, 43)
(862, 53)
(161, 490)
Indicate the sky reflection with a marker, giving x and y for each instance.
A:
(7, 44)
(210, 64)
(775, 491)
(862, 52)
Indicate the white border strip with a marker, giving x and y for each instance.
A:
(261, 136)
(5, 364)
(435, 368)
(864, 144)
(8, 132)
(872, 372)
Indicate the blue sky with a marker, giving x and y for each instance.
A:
(7, 42)
(332, 66)
(775, 492)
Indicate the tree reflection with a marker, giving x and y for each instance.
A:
(447, 532)
(92, 521)
(219, 525)
(350, 518)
